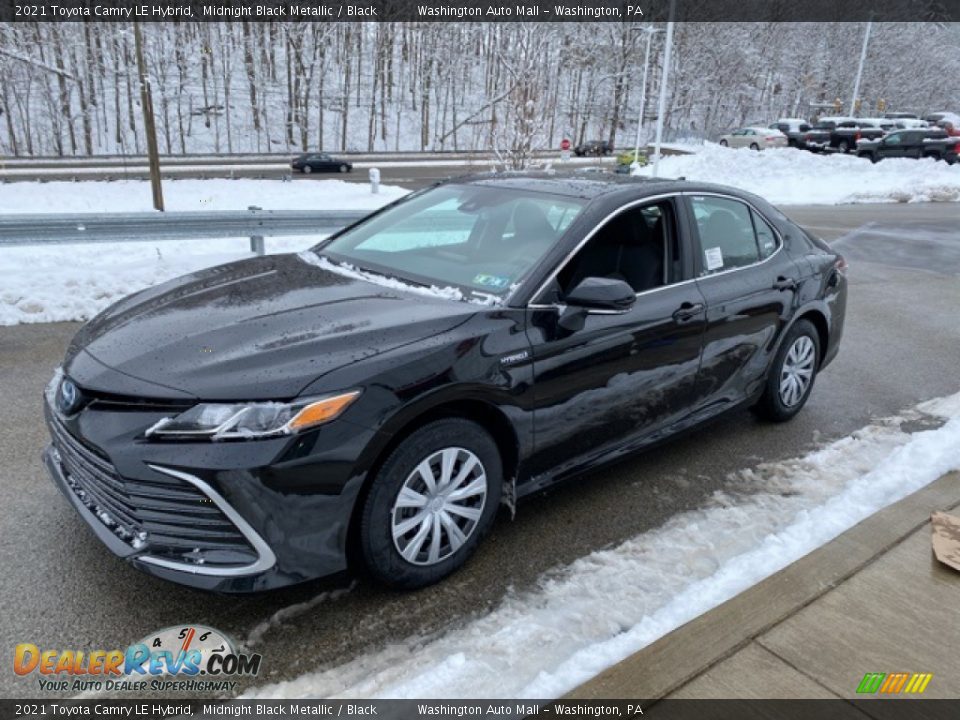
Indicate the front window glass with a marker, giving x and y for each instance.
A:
(476, 238)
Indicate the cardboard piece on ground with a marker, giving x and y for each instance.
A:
(946, 539)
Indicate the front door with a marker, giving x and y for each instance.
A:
(623, 378)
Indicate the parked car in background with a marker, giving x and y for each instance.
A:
(885, 124)
(918, 143)
(373, 399)
(320, 162)
(755, 138)
(901, 116)
(935, 118)
(839, 134)
(793, 128)
(593, 147)
(951, 128)
(910, 123)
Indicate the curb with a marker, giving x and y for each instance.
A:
(681, 655)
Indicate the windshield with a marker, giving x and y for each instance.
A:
(479, 239)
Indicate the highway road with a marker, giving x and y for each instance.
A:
(61, 588)
(403, 169)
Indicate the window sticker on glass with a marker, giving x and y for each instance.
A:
(714, 258)
(492, 281)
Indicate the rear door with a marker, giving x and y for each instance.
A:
(748, 282)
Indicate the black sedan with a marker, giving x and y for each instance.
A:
(320, 162)
(373, 400)
(593, 147)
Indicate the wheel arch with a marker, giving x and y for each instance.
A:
(484, 413)
(818, 319)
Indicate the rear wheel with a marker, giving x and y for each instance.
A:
(754, 146)
(843, 146)
(431, 503)
(343, 168)
(791, 376)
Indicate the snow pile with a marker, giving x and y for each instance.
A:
(787, 176)
(214, 194)
(608, 605)
(74, 282)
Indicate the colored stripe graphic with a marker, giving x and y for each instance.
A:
(894, 683)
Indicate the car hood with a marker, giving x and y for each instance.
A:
(256, 329)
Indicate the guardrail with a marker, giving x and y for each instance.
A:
(254, 224)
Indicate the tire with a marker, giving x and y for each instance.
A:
(343, 168)
(775, 404)
(754, 146)
(307, 170)
(843, 146)
(382, 533)
(723, 143)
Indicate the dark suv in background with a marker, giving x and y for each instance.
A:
(919, 143)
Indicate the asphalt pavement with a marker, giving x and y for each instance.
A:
(62, 589)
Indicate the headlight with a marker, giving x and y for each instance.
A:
(222, 421)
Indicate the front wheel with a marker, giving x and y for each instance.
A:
(843, 146)
(723, 143)
(792, 373)
(431, 503)
(307, 169)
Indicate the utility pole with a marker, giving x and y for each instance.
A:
(662, 105)
(863, 57)
(146, 100)
(650, 30)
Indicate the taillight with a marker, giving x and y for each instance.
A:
(770, 138)
(856, 138)
(840, 265)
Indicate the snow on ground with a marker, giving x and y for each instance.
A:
(602, 608)
(789, 176)
(58, 283)
(74, 282)
(212, 194)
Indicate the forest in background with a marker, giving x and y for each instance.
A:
(72, 89)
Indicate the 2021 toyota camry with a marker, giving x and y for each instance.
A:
(376, 398)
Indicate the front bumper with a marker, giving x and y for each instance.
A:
(227, 517)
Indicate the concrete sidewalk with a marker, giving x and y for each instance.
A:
(872, 600)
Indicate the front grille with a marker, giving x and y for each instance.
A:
(169, 518)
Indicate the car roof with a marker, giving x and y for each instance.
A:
(596, 185)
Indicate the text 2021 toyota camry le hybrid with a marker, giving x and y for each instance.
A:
(374, 399)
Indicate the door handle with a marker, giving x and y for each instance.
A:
(687, 312)
(785, 283)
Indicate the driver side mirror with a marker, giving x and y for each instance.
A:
(595, 294)
(598, 293)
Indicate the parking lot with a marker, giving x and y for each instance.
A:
(62, 588)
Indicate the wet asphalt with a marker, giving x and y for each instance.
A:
(60, 588)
